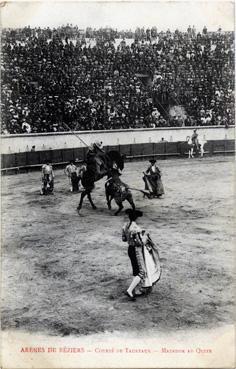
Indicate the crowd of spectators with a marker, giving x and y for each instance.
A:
(66, 78)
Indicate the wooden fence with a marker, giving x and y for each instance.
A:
(161, 150)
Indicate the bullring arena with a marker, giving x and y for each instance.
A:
(59, 265)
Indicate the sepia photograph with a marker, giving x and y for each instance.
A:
(117, 184)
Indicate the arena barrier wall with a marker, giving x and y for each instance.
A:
(68, 140)
(31, 160)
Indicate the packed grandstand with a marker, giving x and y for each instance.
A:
(66, 78)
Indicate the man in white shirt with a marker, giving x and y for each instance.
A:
(26, 127)
(71, 171)
(47, 178)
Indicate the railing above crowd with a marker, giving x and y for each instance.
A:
(65, 78)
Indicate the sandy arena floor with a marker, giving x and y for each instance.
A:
(65, 273)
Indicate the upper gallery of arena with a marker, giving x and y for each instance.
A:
(67, 78)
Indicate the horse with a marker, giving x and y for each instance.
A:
(92, 175)
(202, 143)
(198, 148)
(117, 190)
(191, 148)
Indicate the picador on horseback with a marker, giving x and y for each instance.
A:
(96, 160)
(98, 164)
